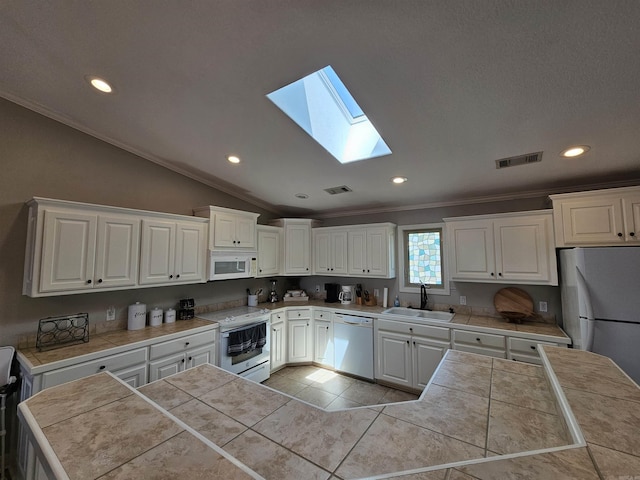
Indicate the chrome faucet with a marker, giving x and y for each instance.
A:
(423, 297)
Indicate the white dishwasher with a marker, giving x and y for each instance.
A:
(353, 344)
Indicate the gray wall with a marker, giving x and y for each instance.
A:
(41, 157)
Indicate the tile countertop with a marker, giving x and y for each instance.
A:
(118, 340)
(109, 342)
(576, 417)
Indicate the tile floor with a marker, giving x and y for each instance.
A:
(331, 390)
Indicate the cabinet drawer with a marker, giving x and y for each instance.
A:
(182, 344)
(111, 363)
(526, 358)
(491, 352)
(478, 339)
(527, 347)
(322, 315)
(299, 313)
(277, 317)
(437, 333)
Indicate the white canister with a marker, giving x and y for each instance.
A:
(137, 316)
(155, 317)
(169, 315)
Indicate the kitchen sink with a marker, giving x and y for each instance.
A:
(424, 314)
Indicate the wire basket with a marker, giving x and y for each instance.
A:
(54, 332)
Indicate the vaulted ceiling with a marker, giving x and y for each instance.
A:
(451, 85)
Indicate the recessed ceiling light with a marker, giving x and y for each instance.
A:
(575, 151)
(399, 180)
(233, 159)
(303, 196)
(99, 84)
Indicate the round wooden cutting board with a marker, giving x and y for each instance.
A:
(513, 304)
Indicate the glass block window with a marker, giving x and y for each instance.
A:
(423, 260)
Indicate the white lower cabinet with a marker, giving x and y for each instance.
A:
(168, 358)
(482, 343)
(134, 376)
(299, 336)
(323, 350)
(407, 354)
(278, 345)
(525, 350)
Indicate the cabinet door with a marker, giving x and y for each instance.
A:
(300, 346)
(201, 356)
(224, 231)
(472, 254)
(522, 248)
(377, 252)
(245, 232)
(117, 251)
(191, 249)
(394, 362)
(338, 253)
(593, 221)
(323, 342)
(134, 376)
(157, 251)
(632, 218)
(268, 253)
(278, 345)
(167, 366)
(426, 358)
(298, 250)
(357, 252)
(68, 255)
(321, 253)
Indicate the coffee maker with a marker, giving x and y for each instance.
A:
(333, 289)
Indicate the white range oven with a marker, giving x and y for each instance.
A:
(243, 348)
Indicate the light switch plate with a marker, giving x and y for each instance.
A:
(542, 306)
(463, 300)
(111, 313)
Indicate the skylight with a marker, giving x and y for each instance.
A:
(323, 107)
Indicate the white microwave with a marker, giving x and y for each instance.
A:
(227, 265)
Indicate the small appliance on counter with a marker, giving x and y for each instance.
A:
(332, 289)
(346, 295)
(186, 309)
(273, 294)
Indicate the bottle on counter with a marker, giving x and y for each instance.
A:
(396, 302)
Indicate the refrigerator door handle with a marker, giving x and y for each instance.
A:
(586, 322)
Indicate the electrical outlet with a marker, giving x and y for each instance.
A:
(463, 300)
(111, 313)
(542, 306)
(317, 288)
(376, 292)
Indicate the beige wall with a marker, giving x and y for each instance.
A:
(41, 157)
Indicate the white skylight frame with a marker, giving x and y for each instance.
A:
(316, 105)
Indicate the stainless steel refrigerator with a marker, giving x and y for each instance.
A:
(601, 302)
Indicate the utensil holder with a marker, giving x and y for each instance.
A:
(252, 300)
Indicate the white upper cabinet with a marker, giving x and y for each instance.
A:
(597, 218)
(71, 250)
(296, 245)
(371, 250)
(330, 251)
(172, 252)
(269, 254)
(76, 247)
(506, 248)
(229, 229)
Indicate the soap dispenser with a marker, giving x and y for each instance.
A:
(396, 302)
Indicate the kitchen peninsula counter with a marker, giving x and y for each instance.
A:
(577, 416)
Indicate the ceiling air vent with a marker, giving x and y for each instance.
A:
(519, 160)
(337, 190)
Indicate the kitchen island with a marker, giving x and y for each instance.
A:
(574, 417)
